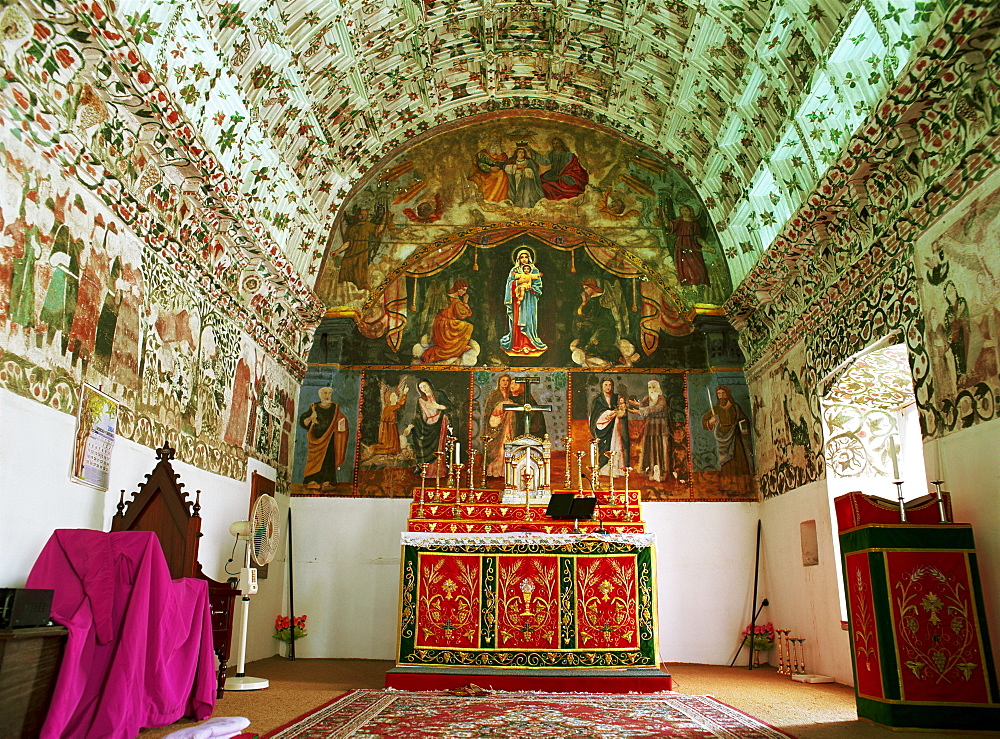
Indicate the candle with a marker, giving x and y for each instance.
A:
(895, 459)
(458, 450)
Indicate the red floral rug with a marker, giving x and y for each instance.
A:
(439, 715)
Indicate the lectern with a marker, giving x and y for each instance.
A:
(916, 615)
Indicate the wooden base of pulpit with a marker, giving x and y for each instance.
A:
(919, 641)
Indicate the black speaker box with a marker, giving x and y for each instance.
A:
(22, 608)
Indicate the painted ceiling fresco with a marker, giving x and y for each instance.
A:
(578, 189)
(297, 101)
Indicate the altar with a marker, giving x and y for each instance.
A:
(495, 592)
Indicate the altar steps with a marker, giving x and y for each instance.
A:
(581, 680)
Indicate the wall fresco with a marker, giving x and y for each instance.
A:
(515, 169)
(83, 300)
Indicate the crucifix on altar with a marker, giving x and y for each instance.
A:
(526, 407)
(527, 459)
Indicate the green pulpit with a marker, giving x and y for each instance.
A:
(919, 641)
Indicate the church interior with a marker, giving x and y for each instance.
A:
(414, 269)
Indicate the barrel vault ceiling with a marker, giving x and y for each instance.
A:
(299, 99)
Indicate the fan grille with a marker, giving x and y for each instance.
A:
(264, 530)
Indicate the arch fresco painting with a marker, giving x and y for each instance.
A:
(518, 245)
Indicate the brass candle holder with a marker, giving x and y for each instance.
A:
(611, 475)
(440, 463)
(628, 471)
(486, 440)
(458, 492)
(568, 477)
(423, 488)
(526, 481)
(450, 452)
(579, 469)
(472, 472)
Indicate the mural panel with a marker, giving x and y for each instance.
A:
(514, 169)
(959, 286)
(326, 437)
(722, 450)
(642, 419)
(82, 299)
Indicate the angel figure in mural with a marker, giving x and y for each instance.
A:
(393, 399)
(524, 187)
(521, 293)
(362, 231)
(426, 212)
(613, 206)
(488, 171)
(451, 332)
(326, 436)
(428, 431)
(689, 245)
(599, 323)
(729, 422)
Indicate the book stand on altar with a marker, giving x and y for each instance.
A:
(495, 592)
(919, 642)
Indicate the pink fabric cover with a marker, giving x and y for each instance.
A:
(139, 652)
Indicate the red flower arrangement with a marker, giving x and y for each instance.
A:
(283, 627)
(763, 636)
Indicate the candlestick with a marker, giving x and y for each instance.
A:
(593, 452)
(940, 500)
(423, 489)
(449, 451)
(611, 474)
(625, 495)
(526, 480)
(440, 463)
(458, 492)
(579, 468)
(895, 460)
(486, 440)
(567, 478)
(899, 495)
(472, 470)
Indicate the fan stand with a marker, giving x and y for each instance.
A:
(241, 681)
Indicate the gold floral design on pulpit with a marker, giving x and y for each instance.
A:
(449, 603)
(529, 613)
(605, 592)
(936, 626)
(864, 623)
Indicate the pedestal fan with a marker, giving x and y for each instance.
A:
(261, 536)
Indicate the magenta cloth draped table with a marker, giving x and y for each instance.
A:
(139, 652)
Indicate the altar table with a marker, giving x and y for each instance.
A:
(528, 600)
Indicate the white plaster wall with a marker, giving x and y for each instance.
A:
(806, 599)
(346, 575)
(705, 571)
(37, 496)
(968, 461)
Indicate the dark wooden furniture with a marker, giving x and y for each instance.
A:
(161, 506)
(29, 666)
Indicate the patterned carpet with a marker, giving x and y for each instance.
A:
(367, 714)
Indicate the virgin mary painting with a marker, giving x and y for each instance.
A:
(522, 291)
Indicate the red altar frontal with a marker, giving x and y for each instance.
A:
(919, 641)
(496, 593)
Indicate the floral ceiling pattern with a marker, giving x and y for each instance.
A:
(298, 100)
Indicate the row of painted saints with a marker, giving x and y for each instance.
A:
(418, 421)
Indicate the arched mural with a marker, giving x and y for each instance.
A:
(525, 259)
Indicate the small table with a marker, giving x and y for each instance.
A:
(29, 666)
